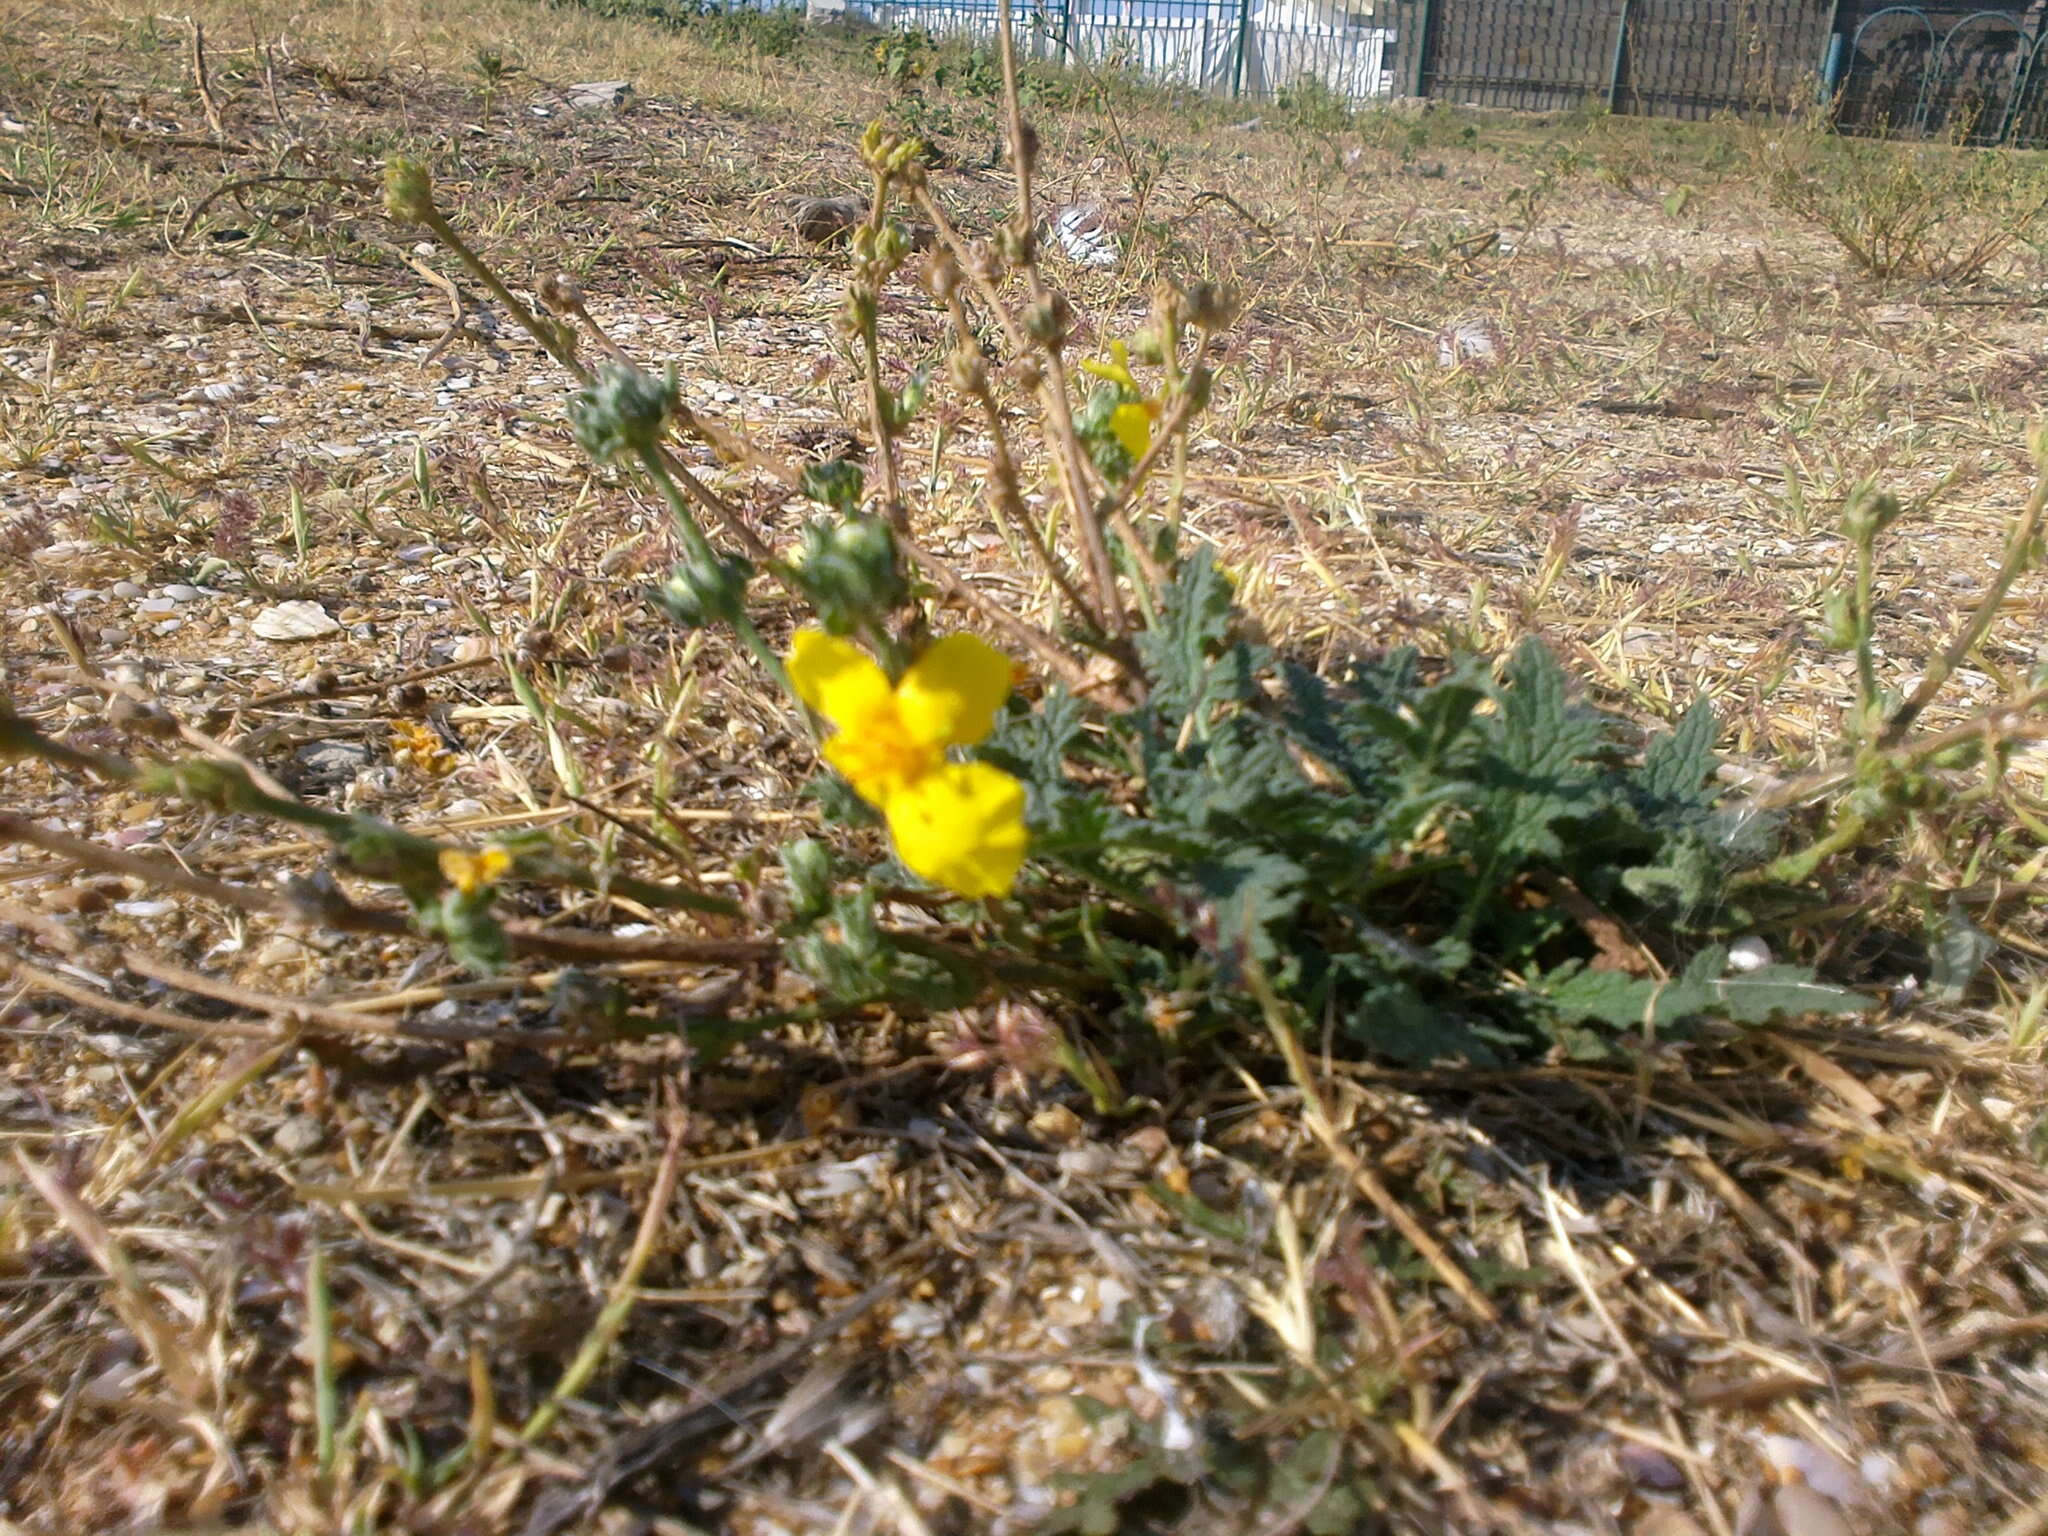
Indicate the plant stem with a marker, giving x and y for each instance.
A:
(2019, 554)
(1072, 461)
(618, 1306)
(699, 549)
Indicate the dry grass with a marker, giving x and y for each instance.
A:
(263, 1269)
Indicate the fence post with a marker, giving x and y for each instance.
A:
(1620, 57)
(1415, 48)
(1830, 53)
(1244, 43)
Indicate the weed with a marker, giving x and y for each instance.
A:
(1311, 104)
(1935, 211)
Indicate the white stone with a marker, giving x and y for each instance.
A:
(1747, 954)
(294, 621)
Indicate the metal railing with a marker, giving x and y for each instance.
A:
(1970, 73)
(1972, 76)
(1250, 48)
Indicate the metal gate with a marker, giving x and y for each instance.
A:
(1670, 58)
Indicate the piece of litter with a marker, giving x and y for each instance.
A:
(297, 620)
(1084, 234)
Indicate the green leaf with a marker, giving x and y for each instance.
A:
(1572, 994)
(1677, 764)
(1534, 773)
(1189, 654)
(1957, 950)
(836, 484)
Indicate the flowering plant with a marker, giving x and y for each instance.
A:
(1218, 837)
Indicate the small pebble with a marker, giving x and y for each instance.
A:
(1650, 1467)
(156, 607)
(1803, 1512)
(1747, 954)
(1798, 1460)
(126, 590)
(280, 949)
(299, 1135)
(78, 899)
(178, 592)
(1667, 1522)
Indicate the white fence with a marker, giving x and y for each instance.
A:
(1255, 48)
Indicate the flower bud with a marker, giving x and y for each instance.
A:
(408, 190)
(1046, 323)
(624, 411)
(858, 312)
(942, 275)
(559, 294)
(707, 591)
(984, 261)
(1869, 513)
(967, 369)
(851, 572)
(1212, 306)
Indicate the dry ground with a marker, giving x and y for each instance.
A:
(1797, 1257)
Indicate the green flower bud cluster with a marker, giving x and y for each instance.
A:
(707, 589)
(882, 248)
(624, 412)
(408, 190)
(892, 155)
(1095, 425)
(851, 572)
(1869, 513)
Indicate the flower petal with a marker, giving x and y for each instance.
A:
(950, 697)
(1117, 370)
(836, 678)
(1132, 425)
(962, 827)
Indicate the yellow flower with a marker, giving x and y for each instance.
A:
(420, 747)
(958, 825)
(1131, 421)
(1132, 424)
(1117, 370)
(963, 828)
(471, 872)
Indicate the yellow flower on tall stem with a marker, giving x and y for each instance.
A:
(958, 825)
(1132, 420)
(472, 872)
